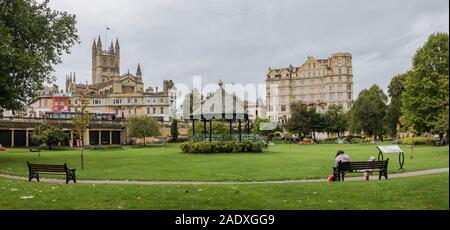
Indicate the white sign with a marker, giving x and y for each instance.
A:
(390, 149)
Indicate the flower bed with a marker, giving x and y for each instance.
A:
(223, 147)
(307, 143)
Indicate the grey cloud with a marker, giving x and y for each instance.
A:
(238, 40)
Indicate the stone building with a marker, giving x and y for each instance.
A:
(317, 82)
(122, 95)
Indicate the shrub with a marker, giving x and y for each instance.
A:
(327, 141)
(223, 147)
(355, 140)
(418, 140)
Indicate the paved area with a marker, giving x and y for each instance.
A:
(359, 178)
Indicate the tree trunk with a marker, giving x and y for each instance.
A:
(144, 140)
(412, 147)
(82, 159)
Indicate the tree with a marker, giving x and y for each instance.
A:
(352, 123)
(33, 38)
(81, 121)
(256, 129)
(317, 122)
(300, 118)
(425, 100)
(174, 130)
(47, 134)
(395, 91)
(370, 111)
(142, 126)
(335, 119)
(305, 120)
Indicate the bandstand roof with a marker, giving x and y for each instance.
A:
(220, 106)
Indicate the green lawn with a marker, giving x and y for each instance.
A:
(281, 161)
(421, 192)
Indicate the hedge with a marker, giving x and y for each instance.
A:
(223, 147)
(420, 140)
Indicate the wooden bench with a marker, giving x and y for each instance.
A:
(360, 167)
(36, 169)
(161, 143)
(35, 149)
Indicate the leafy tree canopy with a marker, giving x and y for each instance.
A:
(142, 126)
(426, 96)
(47, 134)
(33, 38)
(369, 110)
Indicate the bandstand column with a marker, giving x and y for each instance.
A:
(240, 131)
(210, 130)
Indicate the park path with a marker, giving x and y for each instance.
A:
(359, 178)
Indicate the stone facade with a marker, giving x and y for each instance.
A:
(122, 95)
(318, 82)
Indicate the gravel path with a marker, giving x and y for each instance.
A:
(359, 178)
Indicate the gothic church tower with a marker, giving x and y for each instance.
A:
(105, 63)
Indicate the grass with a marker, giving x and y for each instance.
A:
(280, 162)
(421, 192)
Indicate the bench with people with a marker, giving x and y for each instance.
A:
(343, 165)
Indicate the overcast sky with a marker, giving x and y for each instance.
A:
(238, 41)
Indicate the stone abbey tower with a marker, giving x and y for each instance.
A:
(105, 63)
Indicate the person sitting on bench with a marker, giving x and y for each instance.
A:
(340, 157)
(368, 172)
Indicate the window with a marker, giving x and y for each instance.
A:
(135, 111)
(161, 100)
(129, 111)
(283, 108)
(162, 110)
(135, 101)
(117, 111)
(148, 110)
(154, 110)
(129, 101)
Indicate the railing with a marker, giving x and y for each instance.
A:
(51, 120)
